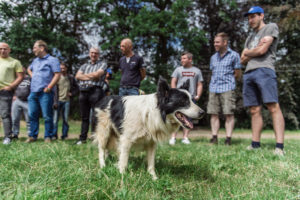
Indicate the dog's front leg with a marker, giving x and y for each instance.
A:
(102, 156)
(151, 160)
(124, 149)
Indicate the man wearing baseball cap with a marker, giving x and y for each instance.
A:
(260, 84)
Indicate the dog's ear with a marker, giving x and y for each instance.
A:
(163, 87)
(163, 90)
(185, 85)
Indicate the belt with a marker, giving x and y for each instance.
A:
(129, 87)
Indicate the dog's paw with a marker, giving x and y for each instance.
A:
(154, 177)
(102, 166)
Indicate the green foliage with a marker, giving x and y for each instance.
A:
(160, 30)
(58, 22)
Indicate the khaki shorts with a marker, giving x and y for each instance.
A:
(221, 103)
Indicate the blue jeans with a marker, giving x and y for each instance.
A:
(124, 91)
(37, 100)
(64, 108)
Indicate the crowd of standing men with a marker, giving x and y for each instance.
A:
(49, 85)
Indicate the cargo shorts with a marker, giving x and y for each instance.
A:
(221, 103)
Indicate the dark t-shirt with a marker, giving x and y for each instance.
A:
(23, 89)
(131, 75)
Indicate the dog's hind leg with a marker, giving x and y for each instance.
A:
(124, 149)
(103, 132)
(151, 148)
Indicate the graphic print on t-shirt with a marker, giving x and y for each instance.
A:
(188, 74)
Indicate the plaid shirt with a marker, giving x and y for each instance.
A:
(222, 79)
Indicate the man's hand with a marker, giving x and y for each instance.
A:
(7, 88)
(55, 106)
(47, 90)
(197, 98)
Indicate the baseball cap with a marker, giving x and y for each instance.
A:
(254, 9)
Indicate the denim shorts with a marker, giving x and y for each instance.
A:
(260, 86)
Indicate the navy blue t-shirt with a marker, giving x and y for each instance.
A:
(131, 75)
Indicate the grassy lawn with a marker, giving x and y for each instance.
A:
(61, 170)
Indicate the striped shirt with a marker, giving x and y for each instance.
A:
(89, 68)
(222, 79)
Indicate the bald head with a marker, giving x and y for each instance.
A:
(4, 50)
(126, 47)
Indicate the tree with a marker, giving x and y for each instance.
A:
(61, 23)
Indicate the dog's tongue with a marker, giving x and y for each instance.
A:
(187, 122)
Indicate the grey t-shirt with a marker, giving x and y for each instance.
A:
(192, 73)
(268, 59)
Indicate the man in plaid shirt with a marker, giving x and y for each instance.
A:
(225, 66)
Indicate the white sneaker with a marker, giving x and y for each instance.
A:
(278, 152)
(6, 141)
(185, 141)
(172, 141)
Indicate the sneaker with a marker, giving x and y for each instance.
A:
(54, 137)
(172, 141)
(278, 152)
(15, 137)
(80, 142)
(227, 142)
(47, 140)
(6, 141)
(185, 141)
(214, 140)
(30, 139)
(63, 137)
(250, 148)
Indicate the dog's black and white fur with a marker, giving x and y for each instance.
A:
(142, 121)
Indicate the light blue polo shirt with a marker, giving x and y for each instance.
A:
(43, 70)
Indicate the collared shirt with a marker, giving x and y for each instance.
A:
(222, 79)
(89, 68)
(43, 70)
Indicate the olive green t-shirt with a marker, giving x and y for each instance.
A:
(63, 88)
(8, 69)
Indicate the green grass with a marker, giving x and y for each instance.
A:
(61, 170)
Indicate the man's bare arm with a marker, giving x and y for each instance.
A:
(16, 82)
(29, 72)
(173, 82)
(237, 74)
(261, 48)
(143, 73)
(244, 59)
(199, 90)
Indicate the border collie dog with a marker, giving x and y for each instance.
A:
(142, 121)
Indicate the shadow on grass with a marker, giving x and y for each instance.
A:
(176, 170)
(234, 141)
